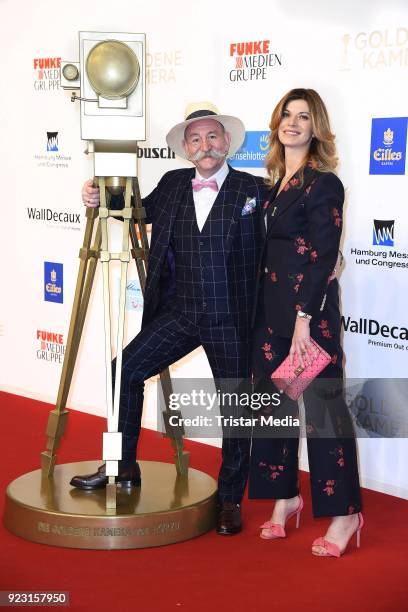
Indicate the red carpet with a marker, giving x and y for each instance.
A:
(211, 572)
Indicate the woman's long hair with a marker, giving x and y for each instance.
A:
(322, 150)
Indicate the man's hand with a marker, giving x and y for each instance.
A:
(90, 194)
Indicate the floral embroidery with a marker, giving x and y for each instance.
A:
(313, 255)
(271, 472)
(329, 488)
(274, 278)
(324, 326)
(337, 218)
(300, 244)
(309, 187)
(339, 454)
(267, 351)
(292, 183)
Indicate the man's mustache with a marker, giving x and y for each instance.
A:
(210, 153)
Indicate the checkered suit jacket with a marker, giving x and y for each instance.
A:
(242, 197)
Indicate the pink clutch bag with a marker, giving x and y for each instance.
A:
(293, 379)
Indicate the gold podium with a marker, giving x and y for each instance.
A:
(166, 509)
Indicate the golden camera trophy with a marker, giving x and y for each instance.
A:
(174, 503)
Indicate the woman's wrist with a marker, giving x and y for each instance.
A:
(303, 316)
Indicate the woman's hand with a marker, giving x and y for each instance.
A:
(90, 194)
(301, 345)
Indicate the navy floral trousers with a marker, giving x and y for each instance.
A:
(331, 443)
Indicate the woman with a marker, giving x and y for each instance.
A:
(298, 300)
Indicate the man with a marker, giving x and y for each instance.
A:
(200, 285)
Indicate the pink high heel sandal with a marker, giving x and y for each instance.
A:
(332, 550)
(271, 531)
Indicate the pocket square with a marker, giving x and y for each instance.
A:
(249, 207)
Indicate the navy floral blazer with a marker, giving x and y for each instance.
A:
(302, 239)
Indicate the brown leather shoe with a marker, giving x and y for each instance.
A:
(128, 476)
(229, 518)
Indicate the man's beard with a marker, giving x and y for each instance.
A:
(211, 153)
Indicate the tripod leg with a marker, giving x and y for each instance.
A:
(105, 256)
(124, 261)
(58, 417)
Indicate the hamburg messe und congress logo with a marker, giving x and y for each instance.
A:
(52, 141)
(383, 232)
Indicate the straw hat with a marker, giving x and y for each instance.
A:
(206, 110)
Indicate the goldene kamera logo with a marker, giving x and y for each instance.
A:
(253, 151)
(388, 145)
(162, 66)
(375, 50)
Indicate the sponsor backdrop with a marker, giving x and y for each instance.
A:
(242, 57)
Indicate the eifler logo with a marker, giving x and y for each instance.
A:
(53, 282)
(388, 145)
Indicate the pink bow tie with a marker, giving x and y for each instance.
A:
(198, 185)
